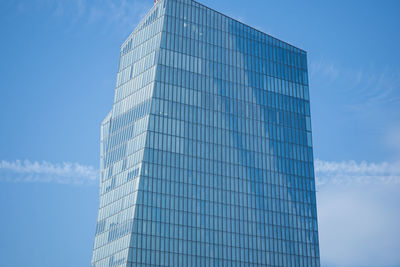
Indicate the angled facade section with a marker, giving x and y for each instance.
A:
(206, 156)
(123, 138)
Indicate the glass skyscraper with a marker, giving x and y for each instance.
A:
(206, 155)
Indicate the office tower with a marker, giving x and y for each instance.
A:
(206, 155)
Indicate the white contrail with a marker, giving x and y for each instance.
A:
(346, 172)
(327, 172)
(46, 172)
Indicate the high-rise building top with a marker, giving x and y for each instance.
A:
(206, 155)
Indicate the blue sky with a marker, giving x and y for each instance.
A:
(58, 67)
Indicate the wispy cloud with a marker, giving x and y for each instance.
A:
(46, 172)
(322, 69)
(376, 87)
(122, 13)
(365, 87)
(107, 15)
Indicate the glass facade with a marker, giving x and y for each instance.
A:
(206, 155)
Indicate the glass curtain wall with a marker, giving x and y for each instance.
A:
(207, 154)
